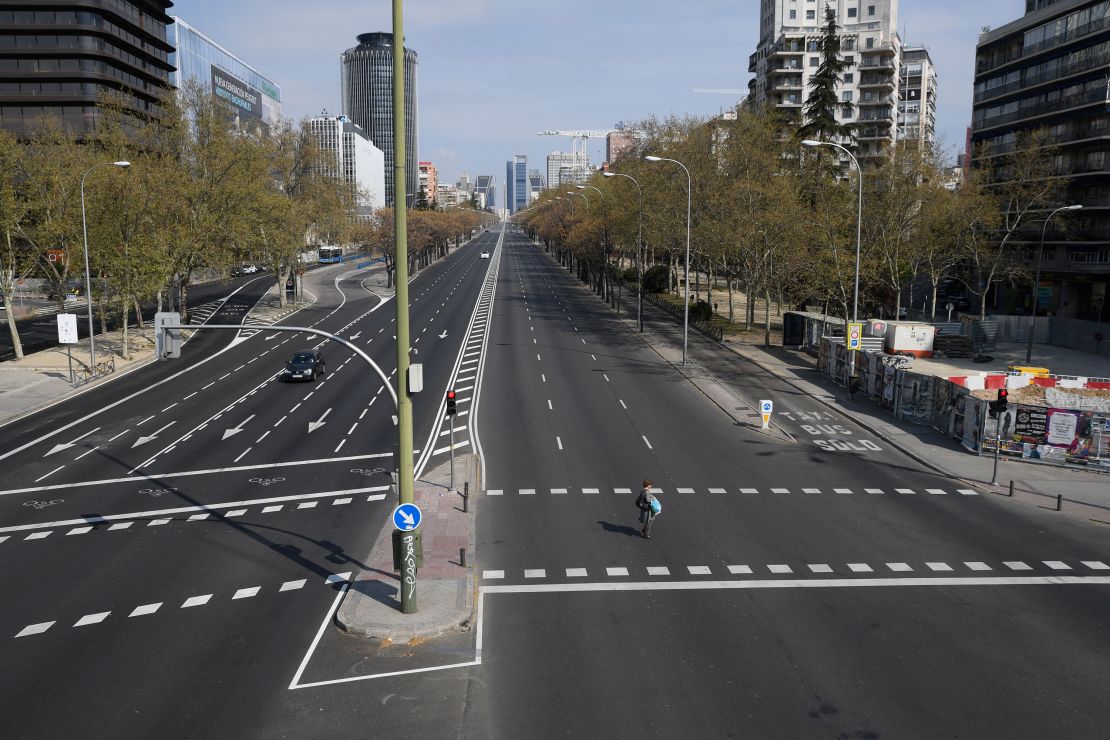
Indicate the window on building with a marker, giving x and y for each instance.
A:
(849, 78)
(846, 96)
(793, 15)
(870, 43)
(871, 10)
(811, 15)
(814, 61)
(851, 12)
(849, 44)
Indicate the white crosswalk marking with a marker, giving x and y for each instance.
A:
(899, 567)
(616, 571)
(576, 572)
(842, 490)
(493, 574)
(876, 491)
(535, 573)
(936, 491)
(494, 492)
(196, 601)
(1057, 564)
(246, 593)
(779, 568)
(91, 619)
(976, 565)
(34, 629)
(1017, 565)
(1095, 564)
(820, 568)
(145, 609)
(699, 570)
(859, 568)
(939, 567)
(658, 570)
(739, 569)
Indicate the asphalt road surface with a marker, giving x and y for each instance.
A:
(174, 547)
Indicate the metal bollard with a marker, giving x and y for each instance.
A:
(1011, 494)
(462, 556)
(1059, 501)
(466, 496)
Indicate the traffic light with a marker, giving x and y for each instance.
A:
(451, 411)
(998, 406)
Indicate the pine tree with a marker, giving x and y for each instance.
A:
(822, 104)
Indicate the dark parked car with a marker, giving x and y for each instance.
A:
(304, 365)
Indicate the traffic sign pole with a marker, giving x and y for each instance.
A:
(766, 408)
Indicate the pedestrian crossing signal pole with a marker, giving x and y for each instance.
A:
(451, 411)
(405, 471)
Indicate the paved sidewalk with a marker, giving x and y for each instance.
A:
(42, 378)
(445, 588)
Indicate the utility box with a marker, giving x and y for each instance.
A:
(167, 342)
(401, 543)
(909, 339)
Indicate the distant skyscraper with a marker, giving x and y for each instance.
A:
(367, 92)
(356, 160)
(483, 186)
(516, 183)
(617, 144)
(535, 184)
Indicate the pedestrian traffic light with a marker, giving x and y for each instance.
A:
(451, 403)
(998, 406)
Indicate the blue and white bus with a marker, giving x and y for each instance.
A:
(331, 254)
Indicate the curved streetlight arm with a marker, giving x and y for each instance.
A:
(1037, 282)
(859, 217)
(583, 197)
(639, 246)
(302, 330)
(85, 242)
(689, 198)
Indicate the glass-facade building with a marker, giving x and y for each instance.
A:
(516, 183)
(197, 57)
(57, 59)
(366, 81)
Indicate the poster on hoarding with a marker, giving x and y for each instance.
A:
(1062, 428)
(1029, 424)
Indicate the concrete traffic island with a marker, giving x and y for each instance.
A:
(445, 587)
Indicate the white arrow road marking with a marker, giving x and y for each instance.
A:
(232, 431)
(144, 440)
(353, 337)
(314, 425)
(443, 335)
(67, 445)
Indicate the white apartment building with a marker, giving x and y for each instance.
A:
(357, 161)
(789, 53)
(566, 168)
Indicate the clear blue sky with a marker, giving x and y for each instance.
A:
(492, 73)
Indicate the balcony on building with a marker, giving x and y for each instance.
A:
(788, 84)
(871, 80)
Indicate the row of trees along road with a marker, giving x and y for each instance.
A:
(779, 222)
(201, 195)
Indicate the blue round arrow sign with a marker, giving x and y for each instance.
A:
(406, 517)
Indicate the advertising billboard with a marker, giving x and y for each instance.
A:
(243, 97)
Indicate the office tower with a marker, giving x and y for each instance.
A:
(483, 186)
(57, 59)
(198, 58)
(516, 183)
(535, 184)
(353, 158)
(366, 80)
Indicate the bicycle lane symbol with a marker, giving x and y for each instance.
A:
(40, 505)
(265, 481)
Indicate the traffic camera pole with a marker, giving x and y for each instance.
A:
(401, 284)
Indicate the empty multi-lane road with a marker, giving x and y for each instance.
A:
(174, 545)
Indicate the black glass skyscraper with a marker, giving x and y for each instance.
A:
(367, 90)
(57, 59)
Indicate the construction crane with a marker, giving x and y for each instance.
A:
(720, 90)
(580, 135)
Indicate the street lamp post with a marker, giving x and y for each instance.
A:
(686, 311)
(88, 278)
(859, 237)
(583, 197)
(639, 247)
(1037, 282)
